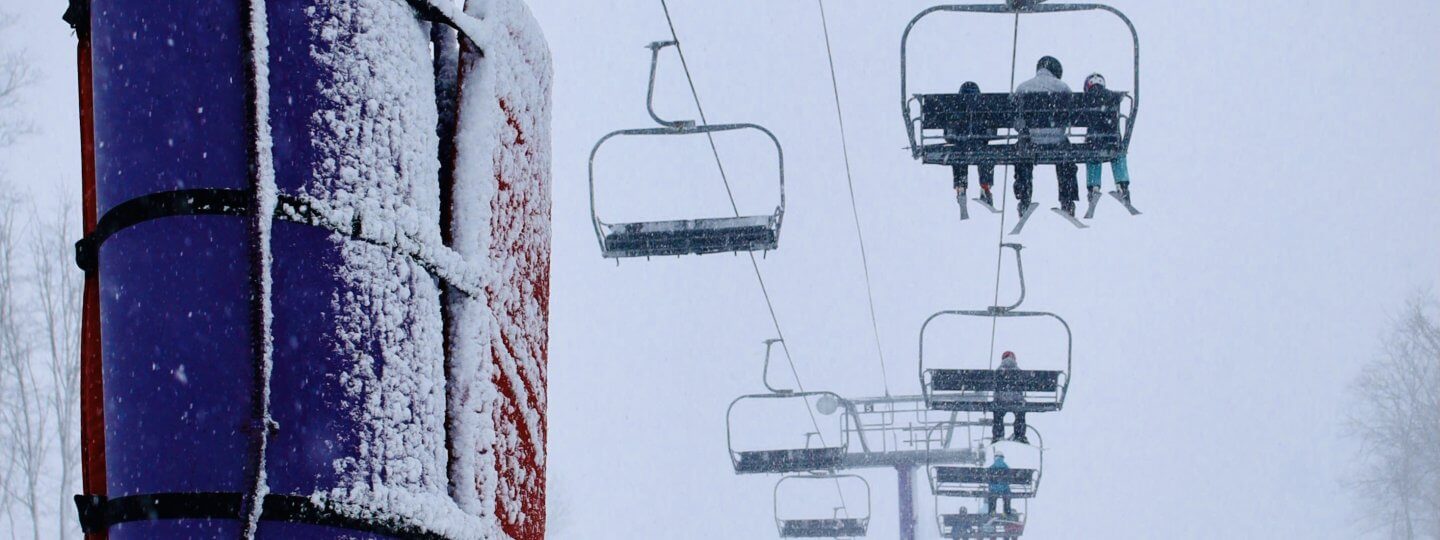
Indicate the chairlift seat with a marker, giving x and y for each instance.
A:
(975, 390)
(786, 461)
(691, 236)
(976, 482)
(972, 123)
(981, 525)
(823, 528)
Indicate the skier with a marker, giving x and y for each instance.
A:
(1047, 79)
(970, 139)
(1008, 400)
(1095, 83)
(999, 490)
(962, 526)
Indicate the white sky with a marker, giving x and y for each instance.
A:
(1285, 157)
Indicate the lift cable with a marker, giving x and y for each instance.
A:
(854, 209)
(1000, 240)
(754, 264)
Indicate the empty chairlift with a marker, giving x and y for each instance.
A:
(686, 236)
(994, 128)
(994, 390)
(798, 514)
(806, 448)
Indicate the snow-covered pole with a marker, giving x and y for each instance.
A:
(332, 406)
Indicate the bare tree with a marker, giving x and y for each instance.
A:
(25, 418)
(58, 297)
(1397, 422)
(15, 74)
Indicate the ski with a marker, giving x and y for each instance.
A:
(987, 206)
(1077, 223)
(964, 208)
(1024, 217)
(1091, 200)
(1122, 200)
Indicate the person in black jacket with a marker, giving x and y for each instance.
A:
(970, 139)
(1008, 400)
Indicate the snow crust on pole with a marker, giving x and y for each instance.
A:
(376, 164)
(501, 218)
(262, 220)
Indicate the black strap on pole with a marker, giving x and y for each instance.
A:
(98, 513)
(237, 203)
(185, 202)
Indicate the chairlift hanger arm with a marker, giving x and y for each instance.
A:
(655, 48)
(1017, 7)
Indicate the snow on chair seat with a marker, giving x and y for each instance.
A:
(977, 482)
(823, 528)
(975, 390)
(972, 124)
(691, 236)
(786, 461)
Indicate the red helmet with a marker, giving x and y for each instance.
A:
(1095, 81)
(1007, 355)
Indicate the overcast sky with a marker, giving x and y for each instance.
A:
(1285, 158)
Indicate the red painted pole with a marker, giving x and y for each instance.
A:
(92, 384)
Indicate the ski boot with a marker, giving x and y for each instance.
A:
(985, 197)
(1068, 207)
(1123, 189)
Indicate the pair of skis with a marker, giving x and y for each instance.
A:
(1092, 201)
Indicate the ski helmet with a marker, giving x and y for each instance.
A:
(1049, 63)
(969, 88)
(1008, 355)
(1095, 81)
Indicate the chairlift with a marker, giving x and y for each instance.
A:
(977, 390)
(815, 454)
(980, 481)
(686, 236)
(994, 128)
(973, 526)
(819, 485)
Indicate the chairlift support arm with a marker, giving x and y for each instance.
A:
(655, 48)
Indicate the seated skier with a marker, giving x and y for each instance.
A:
(1095, 83)
(998, 490)
(1047, 79)
(971, 139)
(1008, 400)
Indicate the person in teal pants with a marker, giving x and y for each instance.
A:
(1118, 168)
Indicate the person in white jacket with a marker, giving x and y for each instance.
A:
(1047, 79)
